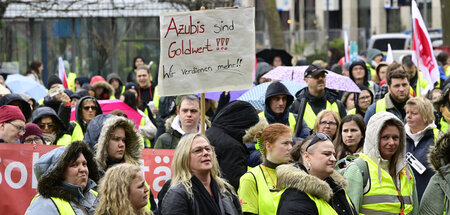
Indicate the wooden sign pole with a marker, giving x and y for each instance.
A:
(202, 106)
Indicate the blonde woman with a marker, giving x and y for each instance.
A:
(327, 122)
(196, 187)
(122, 191)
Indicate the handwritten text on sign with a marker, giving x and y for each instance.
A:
(206, 51)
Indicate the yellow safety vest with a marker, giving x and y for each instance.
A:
(421, 83)
(380, 106)
(322, 206)
(351, 112)
(447, 71)
(444, 125)
(64, 140)
(63, 206)
(146, 141)
(71, 81)
(383, 197)
(372, 71)
(291, 120)
(77, 133)
(310, 117)
(436, 133)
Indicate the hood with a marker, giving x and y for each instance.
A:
(439, 153)
(79, 94)
(372, 139)
(249, 136)
(94, 129)
(133, 142)
(45, 112)
(49, 170)
(291, 176)
(78, 110)
(371, 53)
(109, 90)
(114, 75)
(24, 105)
(363, 64)
(261, 69)
(275, 89)
(235, 118)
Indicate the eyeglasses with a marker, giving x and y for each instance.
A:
(199, 150)
(36, 140)
(87, 108)
(328, 123)
(318, 137)
(44, 125)
(21, 129)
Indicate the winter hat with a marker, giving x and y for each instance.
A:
(31, 129)
(10, 112)
(83, 80)
(97, 78)
(53, 79)
(131, 85)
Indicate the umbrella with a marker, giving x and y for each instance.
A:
(257, 95)
(295, 73)
(110, 105)
(216, 95)
(21, 84)
(269, 54)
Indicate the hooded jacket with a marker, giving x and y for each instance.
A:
(317, 104)
(79, 113)
(373, 87)
(372, 53)
(94, 130)
(299, 183)
(371, 149)
(49, 171)
(133, 143)
(225, 134)
(261, 69)
(439, 186)
(108, 91)
(42, 112)
(275, 89)
(118, 91)
(24, 105)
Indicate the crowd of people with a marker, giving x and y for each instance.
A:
(383, 150)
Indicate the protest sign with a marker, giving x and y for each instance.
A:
(206, 51)
(18, 184)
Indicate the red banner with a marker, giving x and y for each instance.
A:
(18, 184)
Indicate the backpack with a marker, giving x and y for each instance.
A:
(343, 164)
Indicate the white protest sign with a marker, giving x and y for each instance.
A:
(206, 51)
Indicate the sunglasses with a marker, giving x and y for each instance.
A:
(44, 125)
(87, 108)
(316, 138)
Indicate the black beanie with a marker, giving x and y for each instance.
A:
(53, 79)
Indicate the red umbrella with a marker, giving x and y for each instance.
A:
(110, 105)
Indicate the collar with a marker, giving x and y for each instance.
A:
(270, 164)
(419, 135)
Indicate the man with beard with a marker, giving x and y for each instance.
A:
(394, 101)
(311, 100)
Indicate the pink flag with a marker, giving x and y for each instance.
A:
(347, 50)
(62, 72)
(423, 55)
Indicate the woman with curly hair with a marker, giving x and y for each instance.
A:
(196, 187)
(123, 191)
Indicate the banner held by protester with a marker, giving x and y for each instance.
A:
(206, 51)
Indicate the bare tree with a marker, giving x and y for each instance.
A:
(273, 22)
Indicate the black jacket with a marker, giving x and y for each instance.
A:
(226, 134)
(298, 182)
(318, 104)
(61, 128)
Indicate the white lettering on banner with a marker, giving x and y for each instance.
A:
(34, 181)
(23, 174)
(157, 180)
(144, 168)
(206, 51)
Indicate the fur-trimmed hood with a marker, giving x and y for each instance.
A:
(249, 136)
(439, 153)
(291, 176)
(109, 89)
(50, 168)
(133, 142)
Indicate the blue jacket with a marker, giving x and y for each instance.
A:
(389, 108)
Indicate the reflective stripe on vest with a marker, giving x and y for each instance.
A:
(71, 81)
(436, 134)
(63, 206)
(64, 140)
(291, 120)
(267, 199)
(351, 112)
(382, 198)
(310, 117)
(77, 133)
(444, 125)
(380, 106)
(322, 206)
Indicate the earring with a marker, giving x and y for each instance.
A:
(308, 166)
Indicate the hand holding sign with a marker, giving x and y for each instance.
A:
(206, 51)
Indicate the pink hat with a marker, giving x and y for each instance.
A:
(10, 112)
(31, 129)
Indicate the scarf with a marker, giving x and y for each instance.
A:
(209, 204)
(271, 118)
(49, 138)
(445, 113)
(419, 135)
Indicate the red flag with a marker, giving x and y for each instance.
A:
(62, 72)
(423, 55)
